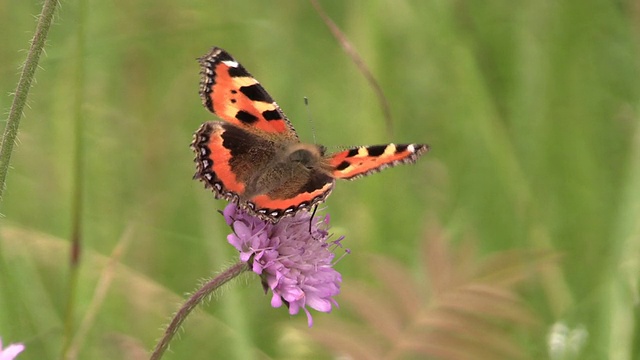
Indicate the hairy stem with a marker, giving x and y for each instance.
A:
(192, 302)
(22, 90)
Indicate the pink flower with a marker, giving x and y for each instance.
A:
(295, 262)
(11, 351)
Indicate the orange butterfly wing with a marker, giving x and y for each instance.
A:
(229, 91)
(364, 160)
(226, 160)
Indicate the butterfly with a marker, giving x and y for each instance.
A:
(254, 157)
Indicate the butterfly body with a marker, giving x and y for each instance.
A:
(254, 157)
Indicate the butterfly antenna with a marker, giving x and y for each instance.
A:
(313, 130)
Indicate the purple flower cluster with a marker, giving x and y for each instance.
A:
(294, 262)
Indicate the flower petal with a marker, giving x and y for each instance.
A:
(11, 352)
(295, 263)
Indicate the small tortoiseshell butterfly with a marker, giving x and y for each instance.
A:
(254, 156)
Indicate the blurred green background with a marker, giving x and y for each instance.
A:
(530, 108)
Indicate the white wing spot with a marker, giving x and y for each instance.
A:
(232, 64)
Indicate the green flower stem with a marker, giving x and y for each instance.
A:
(195, 299)
(22, 91)
(78, 182)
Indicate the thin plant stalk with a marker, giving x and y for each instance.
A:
(78, 182)
(22, 90)
(348, 47)
(195, 299)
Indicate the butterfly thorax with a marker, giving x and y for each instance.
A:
(287, 171)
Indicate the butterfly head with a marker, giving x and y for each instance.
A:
(310, 156)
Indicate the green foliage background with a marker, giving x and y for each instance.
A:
(530, 107)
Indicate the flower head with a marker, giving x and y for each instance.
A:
(294, 259)
(11, 351)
